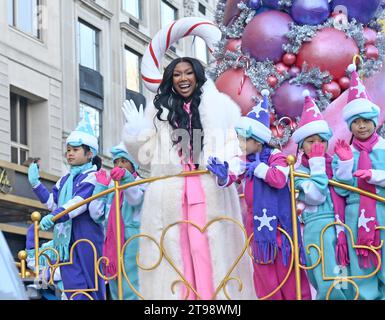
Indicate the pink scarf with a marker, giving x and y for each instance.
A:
(109, 248)
(342, 253)
(367, 222)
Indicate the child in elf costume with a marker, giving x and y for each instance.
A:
(362, 165)
(72, 188)
(322, 204)
(264, 171)
(125, 171)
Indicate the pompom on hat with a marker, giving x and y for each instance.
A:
(312, 121)
(256, 124)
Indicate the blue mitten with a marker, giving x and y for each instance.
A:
(250, 167)
(33, 175)
(47, 223)
(221, 170)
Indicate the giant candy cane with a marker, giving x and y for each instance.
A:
(189, 26)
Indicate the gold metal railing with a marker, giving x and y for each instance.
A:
(121, 272)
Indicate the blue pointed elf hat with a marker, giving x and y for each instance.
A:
(83, 134)
(256, 124)
(120, 151)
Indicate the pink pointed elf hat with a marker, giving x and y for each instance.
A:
(312, 121)
(359, 101)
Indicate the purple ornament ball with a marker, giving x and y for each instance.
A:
(288, 99)
(273, 4)
(255, 4)
(361, 10)
(265, 35)
(311, 12)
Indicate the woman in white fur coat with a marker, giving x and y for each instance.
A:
(189, 121)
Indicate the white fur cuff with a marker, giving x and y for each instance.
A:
(345, 169)
(317, 165)
(261, 170)
(378, 177)
(222, 185)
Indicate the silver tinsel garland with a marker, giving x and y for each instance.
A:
(285, 3)
(259, 71)
(235, 30)
(298, 35)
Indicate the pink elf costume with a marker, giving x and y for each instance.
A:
(268, 206)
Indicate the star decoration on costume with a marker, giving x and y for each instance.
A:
(258, 109)
(362, 221)
(360, 89)
(62, 229)
(265, 220)
(315, 109)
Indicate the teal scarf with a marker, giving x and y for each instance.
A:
(62, 231)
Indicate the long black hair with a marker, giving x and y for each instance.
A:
(168, 98)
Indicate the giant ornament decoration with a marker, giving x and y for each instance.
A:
(330, 50)
(264, 35)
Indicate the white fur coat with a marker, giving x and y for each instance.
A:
(162, 205)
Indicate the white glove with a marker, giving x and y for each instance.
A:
(131, 113)
(136, 122)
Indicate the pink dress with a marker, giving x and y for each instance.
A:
(195, 248)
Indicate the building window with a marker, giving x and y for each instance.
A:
(25, 15)
(133, 61)
(19, 133)
(88, 46)
(95, 116)
(133, 7)
(202, 9)
(168, 13)
(201, 51)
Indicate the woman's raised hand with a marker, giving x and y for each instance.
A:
(131, 113)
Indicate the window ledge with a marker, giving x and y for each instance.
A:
(27, 35)
(132, 30)
(97, 8)
(132, 17)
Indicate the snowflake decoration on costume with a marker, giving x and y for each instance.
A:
(258, 109)
(265, 220)
(62, 229)
(362, 221)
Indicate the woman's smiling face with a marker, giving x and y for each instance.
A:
(184, 80)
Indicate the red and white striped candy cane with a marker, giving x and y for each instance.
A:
(189, 26)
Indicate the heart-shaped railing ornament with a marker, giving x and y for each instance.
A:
(337, 280)
(77, 291)
(183, 281)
